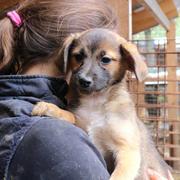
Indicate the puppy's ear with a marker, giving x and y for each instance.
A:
(65, 51)
(134, 60)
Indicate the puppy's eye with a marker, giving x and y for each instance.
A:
(79, 57)
(106, 60)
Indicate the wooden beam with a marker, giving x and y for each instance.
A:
(171, 60)
(157, 12)
(177, 4)
(144, 20)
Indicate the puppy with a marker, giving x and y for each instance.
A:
(96, 62)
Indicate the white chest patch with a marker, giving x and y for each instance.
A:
(91, 111)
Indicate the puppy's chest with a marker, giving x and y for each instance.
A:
(91, 110)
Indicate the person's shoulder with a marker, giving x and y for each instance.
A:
(52, 125)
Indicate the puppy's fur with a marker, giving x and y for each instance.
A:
(96, 62)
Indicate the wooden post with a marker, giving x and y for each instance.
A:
(171, 60)
(121, 9)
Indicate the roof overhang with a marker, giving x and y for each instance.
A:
(149, 13)
(157, 12)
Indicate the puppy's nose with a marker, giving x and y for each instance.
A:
(84, 83)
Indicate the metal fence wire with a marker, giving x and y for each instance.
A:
(158, 97)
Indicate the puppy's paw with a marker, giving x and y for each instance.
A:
(51, 110)
(40, 109)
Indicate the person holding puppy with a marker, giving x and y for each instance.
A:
(35, 148)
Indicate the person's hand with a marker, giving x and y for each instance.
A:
(153, 175)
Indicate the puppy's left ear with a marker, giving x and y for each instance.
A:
(65, 51)
(133, 60)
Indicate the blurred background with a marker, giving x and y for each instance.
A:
(154, 25)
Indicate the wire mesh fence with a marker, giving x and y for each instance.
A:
(158, 98)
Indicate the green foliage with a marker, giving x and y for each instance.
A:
(177, 20)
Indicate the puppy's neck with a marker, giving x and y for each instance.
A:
(108, 94)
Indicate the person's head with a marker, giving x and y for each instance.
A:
(46, 23)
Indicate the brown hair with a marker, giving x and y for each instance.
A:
(46, 23)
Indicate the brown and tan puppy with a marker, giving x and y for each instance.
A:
(96, 62)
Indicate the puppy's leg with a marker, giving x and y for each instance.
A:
(128, 161)
(48, 109)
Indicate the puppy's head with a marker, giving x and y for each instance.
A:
(99, 58)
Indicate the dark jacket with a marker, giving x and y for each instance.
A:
(18, 95)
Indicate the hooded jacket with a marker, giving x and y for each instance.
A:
(18, 95)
